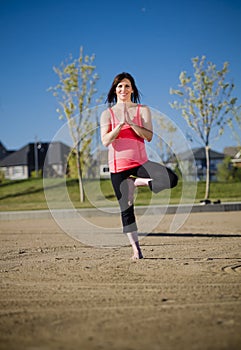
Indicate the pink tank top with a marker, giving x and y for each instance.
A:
(128, 149)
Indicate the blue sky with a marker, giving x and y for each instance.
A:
(154, 40)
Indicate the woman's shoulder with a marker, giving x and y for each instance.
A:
(107, 110)
(105, 114)
(144, 108)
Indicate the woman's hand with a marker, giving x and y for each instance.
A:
(126, 115)
(144, 131)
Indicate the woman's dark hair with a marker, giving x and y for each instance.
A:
(111, 97)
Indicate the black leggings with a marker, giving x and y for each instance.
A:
(162, 178)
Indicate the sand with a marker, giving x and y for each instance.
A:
(57, 293)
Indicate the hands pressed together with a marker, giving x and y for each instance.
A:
(124, 116)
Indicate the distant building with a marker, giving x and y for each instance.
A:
(236, 160)
(200, 163)
(56, 159)
(235, 154)
(20, 164)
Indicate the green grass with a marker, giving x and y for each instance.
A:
(29, 194)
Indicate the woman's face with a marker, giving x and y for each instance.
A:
(124, 91)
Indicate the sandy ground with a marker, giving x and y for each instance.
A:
(57, 293)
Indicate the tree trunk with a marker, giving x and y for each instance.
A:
(81, 187)
(207, 191)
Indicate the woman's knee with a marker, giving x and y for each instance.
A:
(163, 182)
(173, 180)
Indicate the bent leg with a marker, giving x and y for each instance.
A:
(161, 177)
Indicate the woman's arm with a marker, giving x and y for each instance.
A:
(144, 131)
(108, 135)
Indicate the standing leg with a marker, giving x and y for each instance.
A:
(131, 190)
(121, 188)
(124, 190)
(133, 238)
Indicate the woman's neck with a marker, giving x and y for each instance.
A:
(127, 103)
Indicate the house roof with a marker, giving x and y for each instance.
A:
(232, 151)
(199, 154)
(57, 153)
(19, 157)
(3, 151)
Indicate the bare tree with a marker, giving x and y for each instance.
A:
(74, 93)
(206, 103)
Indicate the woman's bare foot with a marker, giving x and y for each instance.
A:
(137, 255)
(133, 238)
(139, 181)
(132, 184)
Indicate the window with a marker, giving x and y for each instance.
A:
(106, 169)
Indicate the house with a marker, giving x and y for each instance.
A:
(56, 159)
(236, 160)
(20, 164)
(235, 154)
(199, 155)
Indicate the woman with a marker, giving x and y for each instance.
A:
(125, 125)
